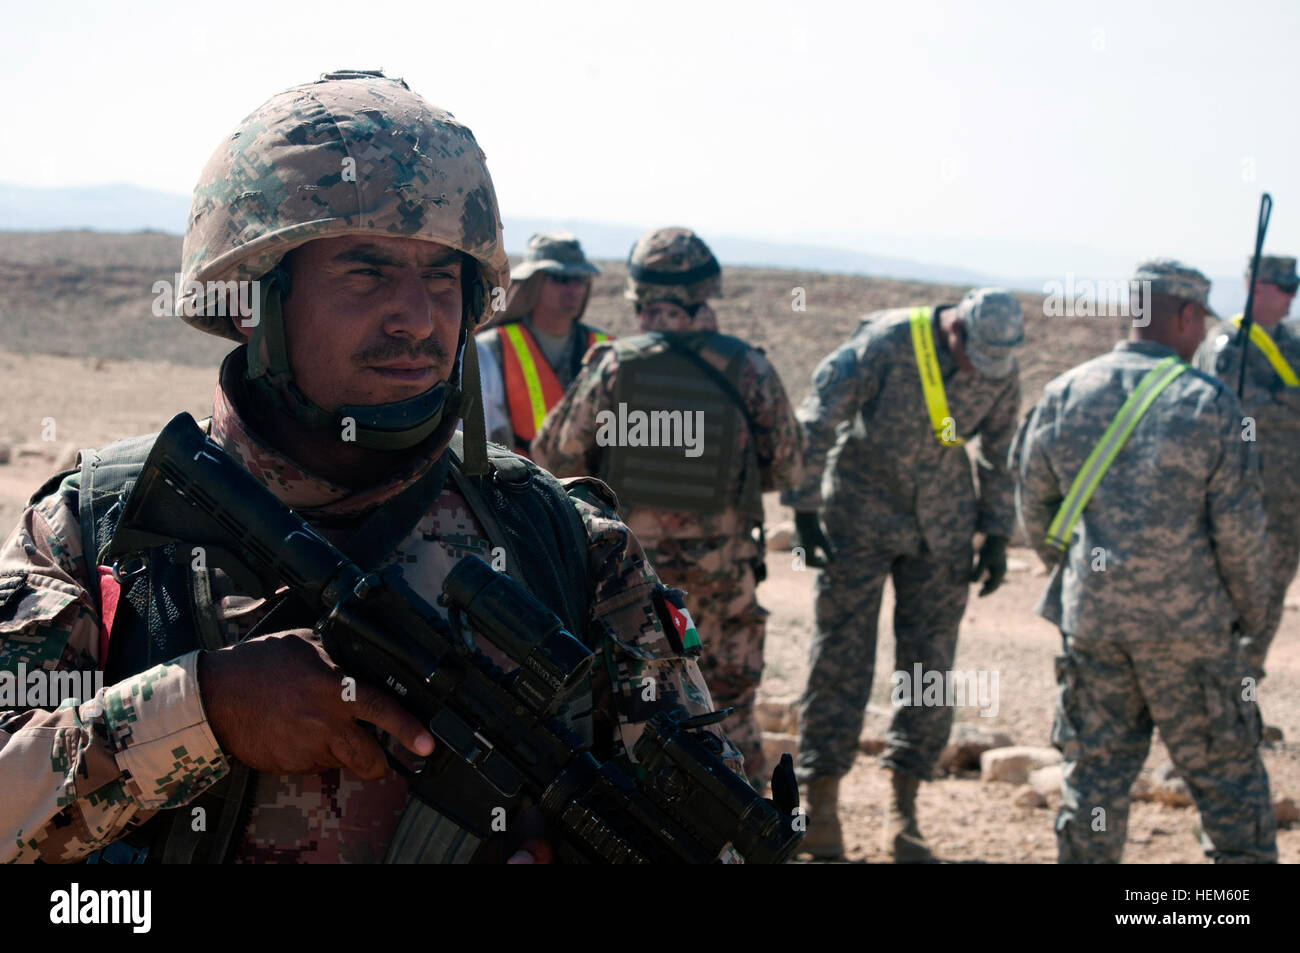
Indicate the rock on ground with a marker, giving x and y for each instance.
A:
(1014, 764)
(967, 743)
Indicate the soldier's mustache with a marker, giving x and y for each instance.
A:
(395, 349)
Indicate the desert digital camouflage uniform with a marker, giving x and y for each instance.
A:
(709, 555)
(896, 502)
(79, 777)
(1166, 557)
(1275, 408)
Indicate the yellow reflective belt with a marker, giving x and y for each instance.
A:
(1108, 447)
(531, 380)
(927, 364)
(1259, 337)
(597, 337)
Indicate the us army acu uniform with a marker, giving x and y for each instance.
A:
(107, 771)
(890, 475)
(525, 371)
(1150, 577)
(1271, 400)
(693, 508)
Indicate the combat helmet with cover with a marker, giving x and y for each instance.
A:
(354, 153)
(672, 264)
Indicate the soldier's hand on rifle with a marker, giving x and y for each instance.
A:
(808, 533)
(278, 704)
(992, 560)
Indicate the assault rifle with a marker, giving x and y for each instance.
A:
(1248, 312)
(500, 743)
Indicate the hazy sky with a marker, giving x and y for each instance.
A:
(1127, 128)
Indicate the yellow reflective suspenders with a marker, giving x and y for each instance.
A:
(1259, 337)
(927, 365)
(1108, 447)
(536, 401)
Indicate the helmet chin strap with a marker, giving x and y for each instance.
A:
(396, 426)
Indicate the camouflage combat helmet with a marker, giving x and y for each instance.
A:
(672, 264)
(355, 153)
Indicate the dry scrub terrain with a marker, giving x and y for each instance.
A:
(79, 346)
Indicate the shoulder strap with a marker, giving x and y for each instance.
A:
(927, 365)
(1108, 447)
(1268, 347)
(734, 349)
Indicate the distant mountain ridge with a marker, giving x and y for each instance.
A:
(130, 208)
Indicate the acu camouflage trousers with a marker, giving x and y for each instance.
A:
(1284, 545)
(722, 599)
(930, 598)
(1110, 694)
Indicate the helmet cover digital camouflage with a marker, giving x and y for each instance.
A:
(672, 264)
(351, 154)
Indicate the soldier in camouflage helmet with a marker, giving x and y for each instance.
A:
(369, 219)
(695, 502)
(1151, 574)
(885, 424)
(1270, 402)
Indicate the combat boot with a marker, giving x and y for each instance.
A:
(903, 838)
(823, 838)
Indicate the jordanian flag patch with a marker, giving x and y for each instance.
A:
(677, 621)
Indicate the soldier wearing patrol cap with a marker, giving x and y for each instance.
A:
(531, 352)
(695, 507)
(370, 221)
(1271, 407)
(1134, 484)
(885, 426)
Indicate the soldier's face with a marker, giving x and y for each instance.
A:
(1272, 303)
(665, 316)
(371, 320)
(562, 297)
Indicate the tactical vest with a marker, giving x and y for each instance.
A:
(663, 389)
(167, 611)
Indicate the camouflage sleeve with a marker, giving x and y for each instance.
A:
(779, 437)
(79, 776)
(1038, 491)
(646, 667)
(841, 383)
(566, 444)
(1235, 507)
(996, 515)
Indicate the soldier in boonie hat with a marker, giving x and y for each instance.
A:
(1169, 277)
(530, 352)
(556, 253)
(995, 327)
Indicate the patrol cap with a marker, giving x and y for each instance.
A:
(556, 253)
(995, 327)
(1170, 277)
(1277, 270)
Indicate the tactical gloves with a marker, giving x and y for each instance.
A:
(809, 535)
(993, 560)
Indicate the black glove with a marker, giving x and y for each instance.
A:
(993, 560)
(808, 533)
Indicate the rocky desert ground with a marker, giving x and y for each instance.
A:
(83, 361)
